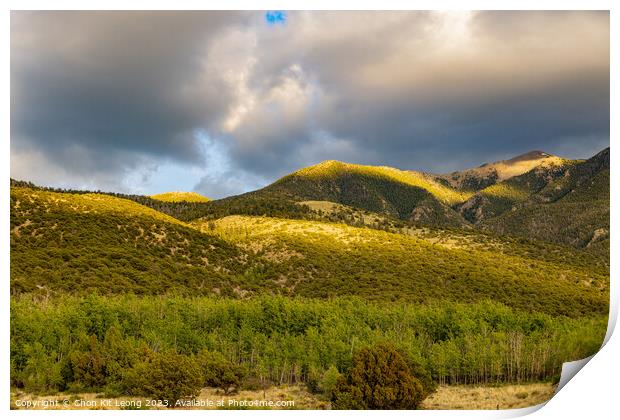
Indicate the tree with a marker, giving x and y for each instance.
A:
(219, 372)
(166, 376)
(379, 378)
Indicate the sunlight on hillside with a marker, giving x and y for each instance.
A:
(507, 191)
(430, 256)
(415, 179)
(178, 196)
(504, 169)
(87, 203)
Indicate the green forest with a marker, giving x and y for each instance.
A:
(100, 343)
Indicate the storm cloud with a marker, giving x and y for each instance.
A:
(225, 102)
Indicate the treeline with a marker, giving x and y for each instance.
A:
(103, 343)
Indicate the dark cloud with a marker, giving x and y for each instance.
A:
(106, 96)
(119, 86)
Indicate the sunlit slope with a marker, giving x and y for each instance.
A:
(78, 243)
(333, 169)
(406, 195)
(572, 209)
(503, 196)
(327, 259)
(488, 174)
(180, 196)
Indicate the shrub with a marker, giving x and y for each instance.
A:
(322, 383)
(41, 373)
(166, 376)
(219, 372)
(379, 378)
(88, 367)
(329, 380)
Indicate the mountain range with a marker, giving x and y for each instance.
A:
(531, 232)
(535, 195)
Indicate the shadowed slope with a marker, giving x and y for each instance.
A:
(573, 208)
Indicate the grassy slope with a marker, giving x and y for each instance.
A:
(85, 242)
(463, 397)
(317, 259)
(457, 397)
(180, 196)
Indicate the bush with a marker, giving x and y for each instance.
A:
(379, 378)
(219, 372)
(322, 383)
(88, 367)
(165, 376)
(329, 381)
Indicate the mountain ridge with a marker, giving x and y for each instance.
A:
(487, 174)
(390, 197)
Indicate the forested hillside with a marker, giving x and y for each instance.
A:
(78, 243)
(405, 195)
(572, 208)
(504, 197)
(81, 243)
(319, 259)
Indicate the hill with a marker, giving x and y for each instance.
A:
(79, 243)
(318, 259)
(181, 196)
(388, 198)
(404, 195)
(485, 175)
(62, 242)
(573, 208)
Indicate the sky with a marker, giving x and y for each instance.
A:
(227, 102)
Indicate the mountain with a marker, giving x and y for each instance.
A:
(181, 196)
(572, 208)
(388, 198)
(502, 196)
(488, 174)
(272, 288)
(404, 195)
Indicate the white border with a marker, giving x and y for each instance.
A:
(594, 391)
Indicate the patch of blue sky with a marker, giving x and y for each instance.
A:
(275, 17)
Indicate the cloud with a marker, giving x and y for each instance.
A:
(121, 87)
(435, 91)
